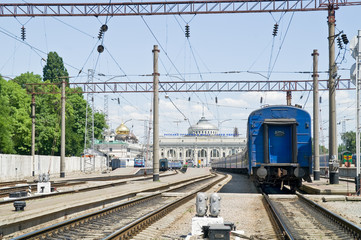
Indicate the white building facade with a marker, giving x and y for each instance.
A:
(201, 145)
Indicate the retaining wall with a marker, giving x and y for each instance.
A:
(17, 167)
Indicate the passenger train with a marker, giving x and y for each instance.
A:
(278, 150)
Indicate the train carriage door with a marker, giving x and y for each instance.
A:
(280, 141)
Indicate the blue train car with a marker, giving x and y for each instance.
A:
(139, 162)
(163, 164)
(118, 163)
(175, 164)
(279, 147)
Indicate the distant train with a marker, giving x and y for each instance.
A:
(279, 147)
(139, 162)
(165, 164)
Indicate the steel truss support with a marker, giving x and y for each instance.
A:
(190, 86)
(166, 8)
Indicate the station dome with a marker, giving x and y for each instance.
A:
(203, 127)
(122, 130)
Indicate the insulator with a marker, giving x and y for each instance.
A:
(189, 99)
(261, 100)
(100, 48)
(339, 43)
(23, 33)
(187, 31)
(344, 39)
(104, 28)
(275, 30)
(100, 35)
(118, 101)
(216, 100)
(320, 99)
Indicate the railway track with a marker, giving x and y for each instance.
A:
(297, 217)
(124, 220)
(4, 192)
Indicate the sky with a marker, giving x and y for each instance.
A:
(218, 44)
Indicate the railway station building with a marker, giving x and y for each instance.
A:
(201, 144)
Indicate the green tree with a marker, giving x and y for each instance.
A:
(6, 144)
(54, 70)
(348, 142)
(50, 114)
(15, 114)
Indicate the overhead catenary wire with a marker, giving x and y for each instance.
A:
(160, 45)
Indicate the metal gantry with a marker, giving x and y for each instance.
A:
(167, 7)
(191, 86)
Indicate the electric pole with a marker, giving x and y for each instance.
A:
(62, 147)
(316, 145)
(333, 163)
(155, 115)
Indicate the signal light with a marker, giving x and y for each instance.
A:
(187, 31)
(344, 39)
(23, 33)
(275, 30)
(339, 43)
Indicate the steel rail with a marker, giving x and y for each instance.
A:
(47, 231)
(344, 223)
(113, 184)
(282, 227)
(134, 227)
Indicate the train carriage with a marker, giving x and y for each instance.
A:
(279, 147)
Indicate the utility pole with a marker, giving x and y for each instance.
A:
(333, 162)
(62, 148)
(316, 145)
(357, 55)
(155, 115)
(33, 132)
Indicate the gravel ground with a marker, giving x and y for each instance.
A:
(246, 211)
(350, 210)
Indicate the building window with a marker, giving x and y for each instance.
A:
(214, 153)
(202, 153)
(189, 153)
(110, 149)
(171, 153)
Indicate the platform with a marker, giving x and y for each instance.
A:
(63, 207)
(324, 187)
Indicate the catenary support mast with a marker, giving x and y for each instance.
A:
(333, 163)
(316, 145)
(155, 115)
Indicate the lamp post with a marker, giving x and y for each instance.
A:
(220, 123)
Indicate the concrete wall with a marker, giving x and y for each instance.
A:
(344, 172)
(17, 167)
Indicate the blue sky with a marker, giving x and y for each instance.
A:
(218, 43)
